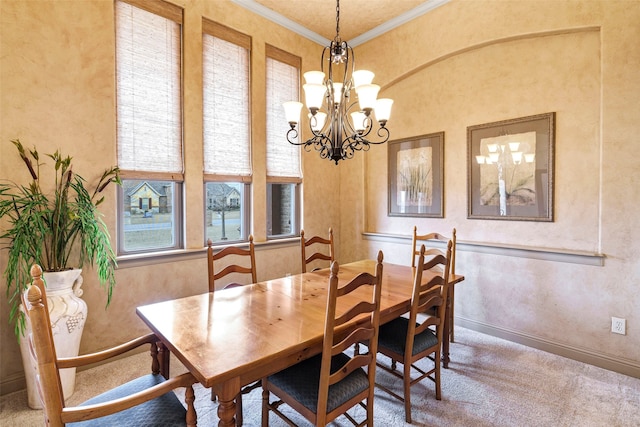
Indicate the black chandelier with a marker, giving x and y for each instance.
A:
(339, 128)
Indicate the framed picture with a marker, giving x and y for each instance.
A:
(416, 176)
(510, 169)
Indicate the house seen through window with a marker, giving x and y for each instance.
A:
(225, 211)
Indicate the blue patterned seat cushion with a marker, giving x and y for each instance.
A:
(302, 381)
(165, 410)
(393, 336)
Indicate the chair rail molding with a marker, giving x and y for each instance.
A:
(531, 252)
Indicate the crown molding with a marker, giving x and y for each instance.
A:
(397, 21)
(273, 16)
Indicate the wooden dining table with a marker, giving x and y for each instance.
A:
(233, 337)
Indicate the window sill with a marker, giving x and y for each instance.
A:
(153, 258)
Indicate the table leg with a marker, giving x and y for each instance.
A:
(227, 393)
(452, 306)
(164, 357)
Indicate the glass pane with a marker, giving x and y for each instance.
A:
(281, 210)
(225, 211)
(148, 220)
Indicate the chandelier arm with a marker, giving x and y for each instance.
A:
(318, 132)
(383, 133)
(324, 53)
(292, 136)
(350, 128)
(348, 68)
(323, 146)
(357, 144)
(349, 148)
(319, 143)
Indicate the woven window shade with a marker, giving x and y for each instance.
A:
(283, 84)
(226, 100)
(148, 65)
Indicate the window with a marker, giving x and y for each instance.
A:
(282, 202)
(149, 218)
(283, 159)
(226, 134)
(149, 125)
(226, 211)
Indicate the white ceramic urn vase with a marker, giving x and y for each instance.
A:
(68, 313)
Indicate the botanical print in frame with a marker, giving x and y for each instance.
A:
(510, 169)
(416, 176)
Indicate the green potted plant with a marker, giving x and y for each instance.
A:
(54, 221)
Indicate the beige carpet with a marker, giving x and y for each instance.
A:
(491, 382)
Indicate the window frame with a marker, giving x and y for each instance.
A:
(222, 32)
(245, 211)
(176, 14)
(274, 53)
(296, 217)
(177, 217)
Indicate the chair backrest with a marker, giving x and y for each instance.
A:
(246, 258)
(433, 236)
(429, 298)
(43, 350)
(321, 249)
(365, 329)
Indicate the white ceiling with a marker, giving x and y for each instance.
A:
(360, 20)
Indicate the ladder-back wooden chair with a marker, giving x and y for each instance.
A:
(244, 262)
(327, 385)
(148, 400)
(452, 270)
(316, 248)
(408, 340)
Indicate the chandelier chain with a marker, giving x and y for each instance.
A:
(338, 19)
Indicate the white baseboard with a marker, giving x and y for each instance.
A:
(623, 366)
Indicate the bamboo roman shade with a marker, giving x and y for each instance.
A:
(283, 84)
(148, 61)
(226, 100)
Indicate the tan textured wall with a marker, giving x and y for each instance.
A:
(57, 90)
(468, 63)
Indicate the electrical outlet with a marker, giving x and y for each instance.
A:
(618, 325)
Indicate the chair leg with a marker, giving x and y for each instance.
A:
(407, 390)
(190, 397)
(437, 376)
(213, 396)
(239, 419)
(265, 404)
